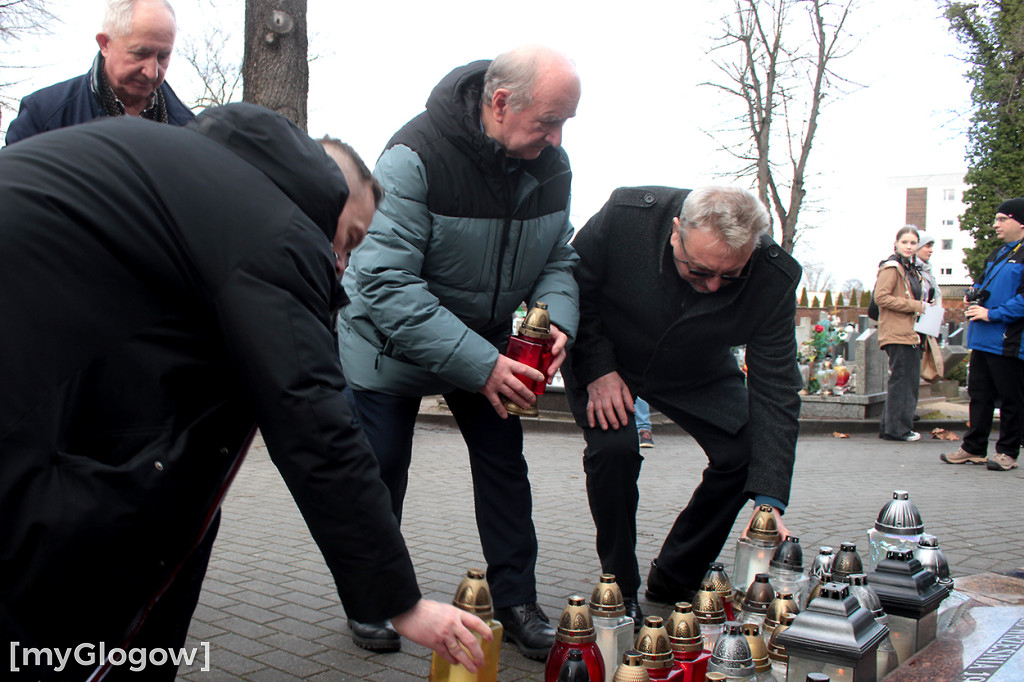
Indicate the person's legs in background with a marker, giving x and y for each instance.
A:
(642, 412)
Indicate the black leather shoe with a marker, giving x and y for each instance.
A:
(380, 637)
(528, 628)
(665, 590)
(634, 611)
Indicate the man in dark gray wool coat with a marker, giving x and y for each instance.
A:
(670, 281)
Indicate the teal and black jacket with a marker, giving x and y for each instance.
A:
(463, 236)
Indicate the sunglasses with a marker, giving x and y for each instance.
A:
(707, 274)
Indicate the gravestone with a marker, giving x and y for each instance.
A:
(872, 364)
(803, 331)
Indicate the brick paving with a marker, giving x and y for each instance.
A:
(270, 612)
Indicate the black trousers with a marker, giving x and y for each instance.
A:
(991, 377)
(501, 486)
(612, 464)
(902, 393)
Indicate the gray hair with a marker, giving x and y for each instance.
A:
(735, 215)
(117, 21)
(515, 71)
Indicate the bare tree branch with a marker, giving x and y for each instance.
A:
(780, 70)
(19, 18)
(218, 65)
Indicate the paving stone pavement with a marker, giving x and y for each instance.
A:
(269, 609)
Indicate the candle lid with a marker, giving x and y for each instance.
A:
(575, 625)
(763, 526)
(846, 562)
(684, 629)
(789, 554)
(759, 595)
(474, 595)
(606, 600)
(631, 669)
(537, 323)
(708, 606)
(900, 516)
(652, 641)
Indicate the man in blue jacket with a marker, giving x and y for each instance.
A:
(475, 221)
(126, 78)
(996, 339)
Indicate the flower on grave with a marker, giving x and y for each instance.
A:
(821, 343)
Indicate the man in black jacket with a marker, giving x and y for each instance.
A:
(155, 314)
(126, 78)
(667, 289)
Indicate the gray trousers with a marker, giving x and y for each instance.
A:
(901, 398)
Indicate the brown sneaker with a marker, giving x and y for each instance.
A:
(961, 456)
(1001, 462)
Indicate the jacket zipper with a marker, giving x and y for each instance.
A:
(505, 234)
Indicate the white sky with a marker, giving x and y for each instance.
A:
(643, 113)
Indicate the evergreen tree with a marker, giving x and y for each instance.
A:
(815, 303)
(839, 301)
(865, 299)
(828, 299)
(803, 299)
(991, 32)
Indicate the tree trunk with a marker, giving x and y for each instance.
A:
(275, 70)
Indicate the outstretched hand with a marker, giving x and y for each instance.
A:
(445, 629)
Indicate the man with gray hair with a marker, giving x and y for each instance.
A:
(670, 281)
(126, 78)
(474, 221)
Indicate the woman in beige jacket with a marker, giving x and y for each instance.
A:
(898, 295)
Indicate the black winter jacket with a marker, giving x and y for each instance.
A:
(637, 318)
(156, 310)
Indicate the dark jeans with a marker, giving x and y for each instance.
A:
(991, 377)
(501, 486)
(612, 462)
(904, 384)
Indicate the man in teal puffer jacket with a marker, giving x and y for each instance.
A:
(474, 222)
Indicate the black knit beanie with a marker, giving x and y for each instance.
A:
(1013, 208)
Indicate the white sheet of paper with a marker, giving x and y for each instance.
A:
(930, 321)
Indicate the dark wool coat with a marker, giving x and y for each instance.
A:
(637, 318)
(76, 101)
(156, 310)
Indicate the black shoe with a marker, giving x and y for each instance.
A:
(528, 628)
(634, 611)
(380, 637)
(665, 590)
